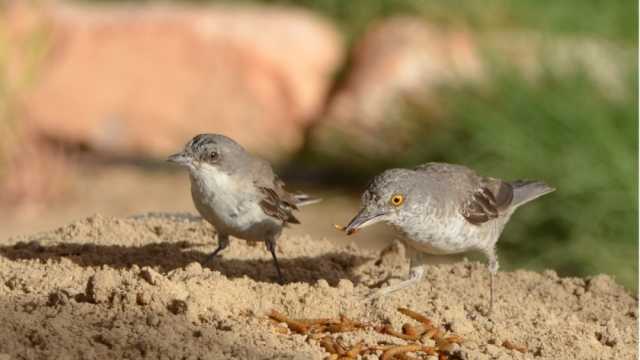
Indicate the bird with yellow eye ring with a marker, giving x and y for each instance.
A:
(397, 200)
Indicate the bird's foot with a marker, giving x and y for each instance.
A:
(211, 256)
(415, 275)
(379, 293)
(223, 242)
(208, 259)
(390, 289)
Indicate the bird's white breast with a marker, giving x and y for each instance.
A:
(445, 233)
(231, 204)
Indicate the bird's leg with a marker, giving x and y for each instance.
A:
(223, 242)
(493, 269)
(416, 272)
(415, 275)
(271, 246)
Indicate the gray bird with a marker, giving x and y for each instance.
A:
(238, 193)
(440, 209)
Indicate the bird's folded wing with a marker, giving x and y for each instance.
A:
(277, 202)
(273, 205)
(487, 201)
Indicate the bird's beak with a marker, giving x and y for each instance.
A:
(180, 159)
(362, 219)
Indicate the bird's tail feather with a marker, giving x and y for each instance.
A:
(528, 190)
(304, 199)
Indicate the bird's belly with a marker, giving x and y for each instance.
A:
(239, 216)
(438, 246)
(441, 239)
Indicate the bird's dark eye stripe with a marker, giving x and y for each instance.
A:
(200, 141)
(196, 142)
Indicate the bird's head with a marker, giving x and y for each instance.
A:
(209, 152)
(389, 197)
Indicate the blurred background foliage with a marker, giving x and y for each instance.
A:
(615, 20)
(563, 128)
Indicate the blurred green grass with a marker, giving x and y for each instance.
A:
(611, 19)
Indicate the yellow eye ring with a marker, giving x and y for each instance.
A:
(397, 200)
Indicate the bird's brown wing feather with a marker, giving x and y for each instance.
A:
(490, 198)
(273, 205)
(277, 202)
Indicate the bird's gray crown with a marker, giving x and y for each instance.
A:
(203, 142)
(386, 184)
(212, 148)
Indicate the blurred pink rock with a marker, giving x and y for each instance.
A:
(143, 80)
(401, 58)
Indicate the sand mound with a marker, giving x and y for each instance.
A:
(132, 288)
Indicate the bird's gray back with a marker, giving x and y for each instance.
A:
(459, 188)
(447, 186)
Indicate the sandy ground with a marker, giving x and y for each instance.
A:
(134, 288)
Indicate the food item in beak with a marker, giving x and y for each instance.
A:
(344, 228)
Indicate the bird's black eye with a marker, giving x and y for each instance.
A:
(213, 156)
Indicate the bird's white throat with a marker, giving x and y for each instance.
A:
(213, 179)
